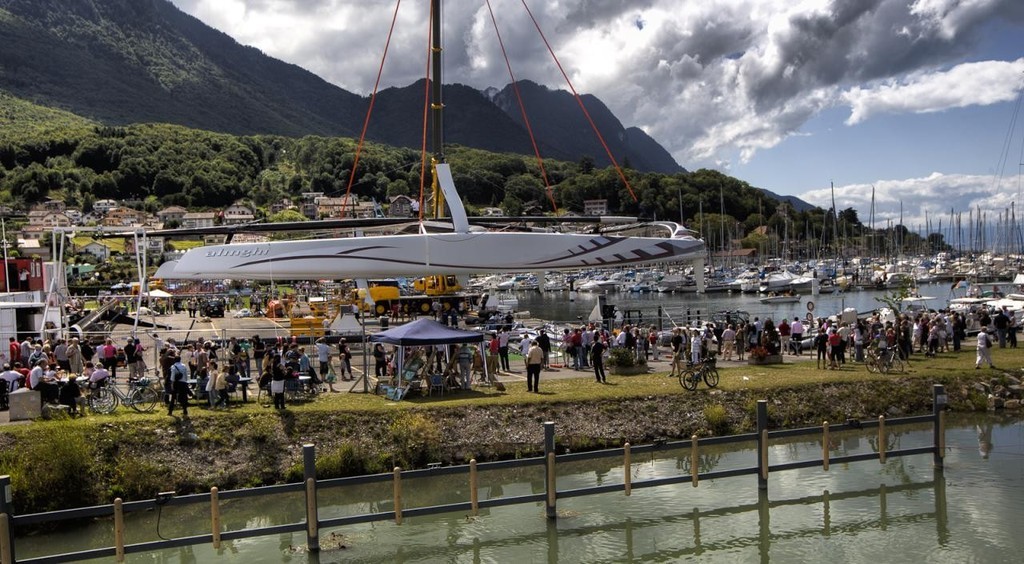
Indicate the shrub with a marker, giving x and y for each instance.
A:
(346, 460)
(623, 358)
(51, 470)
(717, 418)
(416, 439)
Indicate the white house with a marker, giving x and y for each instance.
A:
(238, 213)
(595, 207)
(104, 206)
(198, 220)
(98, 250)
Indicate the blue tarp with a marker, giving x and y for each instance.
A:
(424, 332)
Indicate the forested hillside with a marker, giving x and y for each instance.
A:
(45, 153)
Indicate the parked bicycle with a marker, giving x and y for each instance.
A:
(140, 397)
(693, 374)
(884, 361)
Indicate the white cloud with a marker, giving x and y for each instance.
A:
(931, 197)
(969, 84)
(713, 81)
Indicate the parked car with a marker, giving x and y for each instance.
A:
(212, 308)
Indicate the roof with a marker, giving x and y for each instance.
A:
(423, 332)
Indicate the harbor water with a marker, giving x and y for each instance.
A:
(900, 511)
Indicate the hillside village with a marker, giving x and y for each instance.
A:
(117, 216)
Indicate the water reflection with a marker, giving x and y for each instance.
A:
(902, 510)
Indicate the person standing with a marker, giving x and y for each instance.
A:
(597, 360)
(60, 354)
(586, 341)
(984, 349)
(677, 351)
(179, 382)
(380, 361)
(534, 362)
(130, 358)
(14, 351)
(785, 330)
(796, 331)
(277, 383)
(524, 348)
(493, 352)
(503, 337)
(465, 357)
(544, 342)
(323, 357)
(345, 354)
(1002, 324)
(259, 350)
(728, 342)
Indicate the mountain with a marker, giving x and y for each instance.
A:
(136, 61)
(555, 116)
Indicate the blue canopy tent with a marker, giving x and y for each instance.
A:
(423, 332)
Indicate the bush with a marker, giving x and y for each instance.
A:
(52, 469)
(346, 460)
(623, 358)
(416, 440)
(717, 418)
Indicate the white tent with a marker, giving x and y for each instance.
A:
(158, 293)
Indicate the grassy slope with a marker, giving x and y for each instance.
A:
(22, 120)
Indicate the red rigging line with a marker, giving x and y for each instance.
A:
(426, 110)
(369, 111)
(579, 101)
(522, 109)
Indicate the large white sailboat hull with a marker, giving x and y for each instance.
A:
(433, 253)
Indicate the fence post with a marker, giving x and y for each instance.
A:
(627, 467)
(694, 460)
(118, 530)
(549, 466)
(824, 446)
(397, 486)
(312, 513)
(762, 444)
(939, 399)
(883, 442)
(7, 509)
(474, 493)
(215, 516)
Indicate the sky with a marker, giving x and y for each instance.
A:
(914, 101)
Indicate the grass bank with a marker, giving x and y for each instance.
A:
(56, 464)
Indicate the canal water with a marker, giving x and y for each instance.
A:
(900, 511)
(562, 307)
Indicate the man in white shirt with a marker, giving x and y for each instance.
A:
(11, 377)
(503, 337)
(797, 332)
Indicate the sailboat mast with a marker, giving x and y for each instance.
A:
(436, 105)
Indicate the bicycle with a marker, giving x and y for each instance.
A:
(884, 361)
(693, 374)
(140, 397)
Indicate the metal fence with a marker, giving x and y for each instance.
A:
(550, 461)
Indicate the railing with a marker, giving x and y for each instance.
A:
(310, 485)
